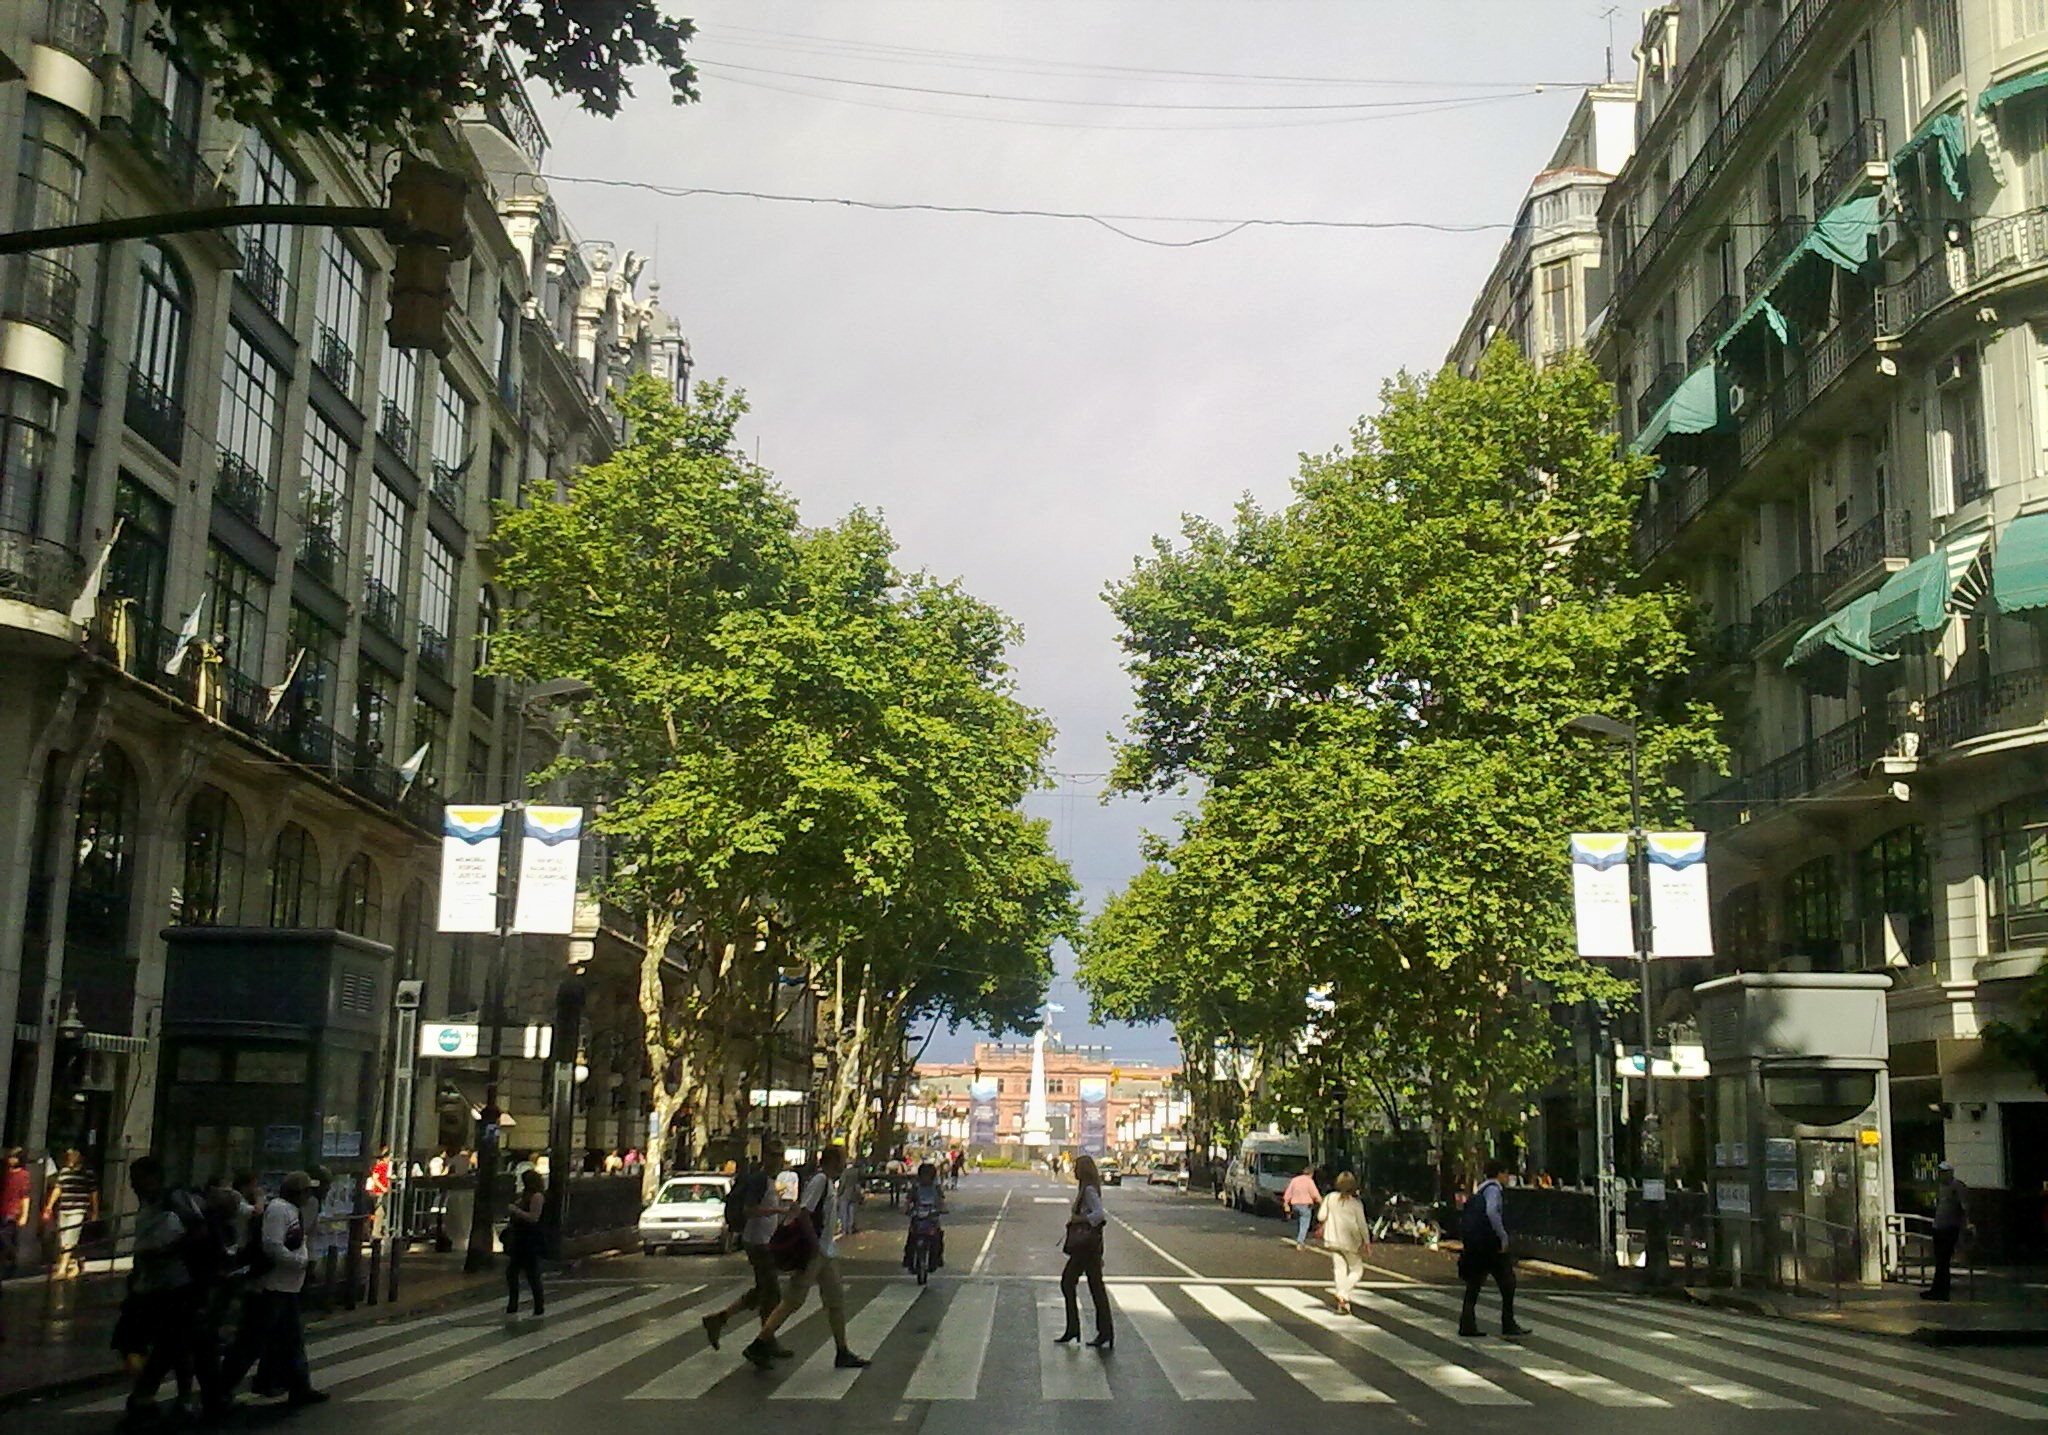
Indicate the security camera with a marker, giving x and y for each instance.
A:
(408, 996)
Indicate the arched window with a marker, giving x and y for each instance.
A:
(163, 327)
(215, 857)
(295, 880)
(103, 874)
(361, 908)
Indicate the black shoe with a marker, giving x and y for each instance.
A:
(761, 1355)
(309, 1396)
(1512, 1329)
(847, 1360)
(1103, 1343)
(1471, 1331)
(539, 1309)
(1068, 1339)
(512, 1307)
(714, 1326)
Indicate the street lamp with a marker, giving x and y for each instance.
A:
(1649, 1145)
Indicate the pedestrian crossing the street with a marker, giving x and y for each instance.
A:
(1179, 1340)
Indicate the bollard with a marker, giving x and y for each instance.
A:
(376, 1269)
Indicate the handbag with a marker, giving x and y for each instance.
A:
(793, 1244)
(1083, 1238)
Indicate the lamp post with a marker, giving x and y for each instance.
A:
(1650, 1143)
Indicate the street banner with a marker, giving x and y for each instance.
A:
(982, 1112)
(1681, 918)
(547, 871)
(1094, 1115)
(1600, 894)
(469, 868)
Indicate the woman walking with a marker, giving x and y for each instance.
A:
(1083, 1246)
(523, 1241)
(1345, 1237)
(73, 1204)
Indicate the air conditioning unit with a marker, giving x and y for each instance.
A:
(1738, 398)
(1817, 117)
(1956, 368)
(1894, 237)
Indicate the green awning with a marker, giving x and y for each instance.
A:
(2005, 90)
(1918, 599)
(1694, 407)
(1759, 307)
(2019, 575)
(1845, 631)
(1946, 137)
(1842, 236)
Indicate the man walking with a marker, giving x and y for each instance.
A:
(1951, 1220)
(763, 1211)
(1485, 1237)
(270, 1319)
(1301, 1197)
(161, 1311)
(819, 1214)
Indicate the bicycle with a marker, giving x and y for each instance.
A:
(922, 1231)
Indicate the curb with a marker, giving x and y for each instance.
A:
(1931, 1335)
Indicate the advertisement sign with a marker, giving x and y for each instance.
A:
(1094, 1135)
(1681, 920)
(469, 868)
(1600, 894)
(981, 1098)
(448, 1038)
(547, 871)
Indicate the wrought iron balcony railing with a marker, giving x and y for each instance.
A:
(1884, 535)
(383, 609)
(1712, 325)
(1783, 238)
(1852, 161)
(1797, 600)
(239, 485)
(77, 27)
(42, 290)
(155, 415)
(333, 356)
(38, 571)
(394, 426)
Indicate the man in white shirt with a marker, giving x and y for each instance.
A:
(821, 1214)
(271, 1317)
(757, 1189)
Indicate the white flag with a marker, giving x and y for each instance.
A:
(1600, 897)
(187, 636)
(279, 693)
(409, 770)
(88, 605)
(1681, 917)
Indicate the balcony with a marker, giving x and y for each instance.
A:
(1713, 324)
(1857, 161)
(1964, 711)
(1663, 384)
(1972, 483)
(38, 571)
(445, 482)
(262, 274)
(40, 290)
(77, 27)
(434, 649)
(1756, 93)
(155, 415)
(320, 552)
(1797, 601)
(149, 129)
(1783, 238)
(394, 426)
(238, 485)
(1729, 645)
(1840, 754)
(1996, 249)
(333, 356)
(1884, 538)
(383, 610)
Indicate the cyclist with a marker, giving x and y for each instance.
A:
(925, 1202)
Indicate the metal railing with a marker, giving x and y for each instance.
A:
(263, 275)
(1965, 711)
(238, 485)
(334, 357)
(155, 135)
(1795, 600)
(1784, 236)
(38, 571)
(394, 426)
(1830, 356)
(42, 290)
(433, 648)
(1662, 385)
(1720, 314)
(155, 415)
(1884, 535)
(1909, 1242)
(1994, 249)
(445, 482)
(383, 609)
(92, 373)
(1864, 147)
(320, 552)
(77, 27)
(1972, 483)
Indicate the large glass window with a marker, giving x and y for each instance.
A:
(323, 499)
(1941, 39)
(237, 603)
(251, 404)
(376, 710)
(52, 166)
(1894, 888)
(1959, 442)
(103, 875)
(338, 311)
(360, 906)
(28, 419)
(398, 389)
(210, 894)
(317, 647)
(1813, 914)
(2016, 870)
(295, 879)
(136, 569)
(163, 322)
(430, 729)
(384, 581)
(437, 601)
(2024, 19)
(266, 178)
(451, 442)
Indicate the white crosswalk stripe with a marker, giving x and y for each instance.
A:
(1466, 1387)
(818, 1379)
(951, 1367)
(1896, 1354)
(1190, 1366)
(521, 1343)
(1066, 1372)
(1315, 1371)
(558, 1380)
(1596, 1388)
(690, 1377)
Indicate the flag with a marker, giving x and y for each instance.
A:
(187, 636)
(88, 605)
(409, 770)
(283, 690)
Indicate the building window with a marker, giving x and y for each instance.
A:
(430, 730)
(1941, 39)
(508, 342)
(2025, 19)
(252, 400)
(360, 906)
(1961, 474)
(338, 312)
(376, 696)
(28, 420)
(266, 248)
(136, 569)
(210, 894)
(398, 390)
(451, 442)
(476, 774)
(1055, 1086)
(237, 602)
(2016, 870)
(1895, 898)
(163, 322)
(384, 580)
(317, 649)
(103, 875)
(1556, 283)
(295, 880)
(323, 500)
(1813, 914)
(52, 166)
(437, 601)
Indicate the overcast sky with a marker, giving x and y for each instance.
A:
(1029, 400)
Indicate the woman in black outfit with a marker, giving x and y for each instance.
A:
(1085, 1222)
(523, 1242)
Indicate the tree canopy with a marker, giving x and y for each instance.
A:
(1368, 688)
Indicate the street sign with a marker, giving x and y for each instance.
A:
(449, 1039)
(461, 1040)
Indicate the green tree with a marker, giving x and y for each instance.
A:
(387, 68)
(1369, 687)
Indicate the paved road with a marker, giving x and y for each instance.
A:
(1217, 1314)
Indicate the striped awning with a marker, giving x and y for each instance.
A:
(1916, 601)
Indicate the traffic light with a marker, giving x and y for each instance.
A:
(426, 222)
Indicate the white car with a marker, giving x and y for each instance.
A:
(687, 1211)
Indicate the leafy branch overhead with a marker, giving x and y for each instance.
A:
(386, 68)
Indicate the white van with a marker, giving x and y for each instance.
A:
(1261, 1169)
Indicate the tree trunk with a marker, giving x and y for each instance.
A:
(659, 928)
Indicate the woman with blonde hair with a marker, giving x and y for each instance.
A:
(1083, 1245)
(1345, 1237)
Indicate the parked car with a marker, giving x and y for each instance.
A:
(1167, 1173)
(1261, 1169)
(687, 1211)
(1112, 1171)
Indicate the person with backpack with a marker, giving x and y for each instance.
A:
(271, 1328)
(1485, 1255)
(808, 1246)
(754, 1210)
(925, 1202)
(174, 1255)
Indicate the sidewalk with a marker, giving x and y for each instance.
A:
(2000, 1309)
(57, 1333)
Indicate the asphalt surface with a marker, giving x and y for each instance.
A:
(1217, 1316)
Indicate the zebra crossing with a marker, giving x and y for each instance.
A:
(1179, 1340)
